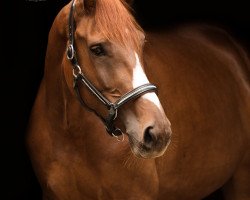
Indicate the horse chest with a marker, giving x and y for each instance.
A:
(106, 181)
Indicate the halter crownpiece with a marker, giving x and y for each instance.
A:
(79, 77)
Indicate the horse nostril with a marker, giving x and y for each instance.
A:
(148, 136)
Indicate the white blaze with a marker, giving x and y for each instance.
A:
(139, 78)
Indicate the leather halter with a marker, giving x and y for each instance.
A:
(80, 77)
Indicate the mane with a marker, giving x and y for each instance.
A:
(114, 20)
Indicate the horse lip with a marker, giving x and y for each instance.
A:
(141, 151)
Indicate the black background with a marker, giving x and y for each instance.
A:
(24, 30)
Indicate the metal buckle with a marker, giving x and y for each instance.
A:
(79, 71)
(70, 52)
(112, 112)
(117, 136)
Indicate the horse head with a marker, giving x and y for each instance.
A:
(105, 48)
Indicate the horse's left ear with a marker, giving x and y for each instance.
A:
(89, 5)
(129, 2)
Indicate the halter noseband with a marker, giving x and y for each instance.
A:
(80, 77)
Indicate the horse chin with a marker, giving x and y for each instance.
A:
(140, 151)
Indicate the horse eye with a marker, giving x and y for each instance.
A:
(97, 50)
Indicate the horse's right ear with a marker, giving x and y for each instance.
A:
(89, 6)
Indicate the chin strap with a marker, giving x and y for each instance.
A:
(111, 107)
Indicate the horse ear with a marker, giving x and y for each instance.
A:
(89, 5)
(129, 2)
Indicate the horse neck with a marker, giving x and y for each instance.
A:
(61, 103)
(53, 72)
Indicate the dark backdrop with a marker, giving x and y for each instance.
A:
(24, 33)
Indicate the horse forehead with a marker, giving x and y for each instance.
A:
(87, 29)
(90, 33)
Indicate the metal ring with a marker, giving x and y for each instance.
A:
(117, 137)
(79, 71)
(70, 52)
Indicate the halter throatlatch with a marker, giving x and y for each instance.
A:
(79, 77)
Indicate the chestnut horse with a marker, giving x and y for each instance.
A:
(99, 131)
